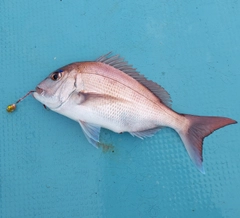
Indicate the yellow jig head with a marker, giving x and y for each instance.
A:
(12, 107)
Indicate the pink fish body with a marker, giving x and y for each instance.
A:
(109, 93)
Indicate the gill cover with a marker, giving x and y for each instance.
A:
(56, 89)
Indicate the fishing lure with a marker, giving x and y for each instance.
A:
(12, 107)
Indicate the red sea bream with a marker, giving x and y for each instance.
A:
(109, 93)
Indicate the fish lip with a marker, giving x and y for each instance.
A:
(39, 90)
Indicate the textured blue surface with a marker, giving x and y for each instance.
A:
(47, 167)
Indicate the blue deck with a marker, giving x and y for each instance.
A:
(47, 167)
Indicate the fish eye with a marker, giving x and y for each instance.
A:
(56, 75)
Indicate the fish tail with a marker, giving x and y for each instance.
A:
(199, 127)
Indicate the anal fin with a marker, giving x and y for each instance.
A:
(145, 133)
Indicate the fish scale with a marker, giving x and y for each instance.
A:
(97, 83)
(109, 75)
(103, 85)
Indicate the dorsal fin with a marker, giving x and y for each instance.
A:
(119, 63)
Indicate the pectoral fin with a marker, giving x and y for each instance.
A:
(91, 132)
(90, 97)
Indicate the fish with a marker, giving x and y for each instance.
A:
(109, 93)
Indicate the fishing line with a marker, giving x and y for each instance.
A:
(12, 107)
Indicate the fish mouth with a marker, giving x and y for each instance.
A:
(39, 90)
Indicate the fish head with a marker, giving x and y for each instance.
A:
(56, 89)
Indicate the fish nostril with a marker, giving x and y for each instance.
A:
(39, 90)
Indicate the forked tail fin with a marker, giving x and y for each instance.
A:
(199, 128)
